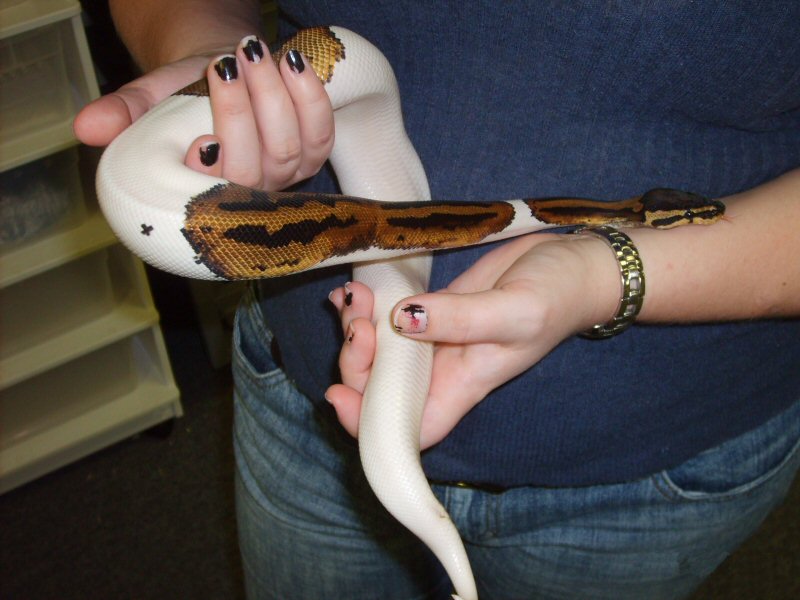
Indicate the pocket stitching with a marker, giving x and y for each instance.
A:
(673, 492)
(243, 363)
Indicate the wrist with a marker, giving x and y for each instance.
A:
(601, 286)
(632, 282)
(159, 33)
(576, 279)
(200, 52)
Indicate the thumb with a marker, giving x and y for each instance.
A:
(100, 121)
(497, 315)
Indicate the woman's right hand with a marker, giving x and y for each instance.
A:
(273, 124)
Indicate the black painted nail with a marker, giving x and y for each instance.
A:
(226, 68)
(295, 60)
(209, 154)
(348, 296)
(252, 49)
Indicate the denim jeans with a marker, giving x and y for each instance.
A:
(310, 527)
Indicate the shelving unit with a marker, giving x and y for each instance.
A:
(82, 359)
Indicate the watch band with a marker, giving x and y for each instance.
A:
(632, 279)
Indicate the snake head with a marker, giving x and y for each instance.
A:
(666, 208)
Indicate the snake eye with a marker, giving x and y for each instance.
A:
(689, 216)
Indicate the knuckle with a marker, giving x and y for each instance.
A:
(232, 110)
(247, 177)
(323, 138)
(460, 326)
(307, 171)
(286, 153)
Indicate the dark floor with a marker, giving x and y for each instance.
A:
(152, 517)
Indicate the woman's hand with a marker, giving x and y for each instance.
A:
(497, 319)
(519, 301)
(273, 125)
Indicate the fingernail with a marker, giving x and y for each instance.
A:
(209, 153)
(295, 60)
(251, 46)
(348, 297)
(226, 68)
(410, 318)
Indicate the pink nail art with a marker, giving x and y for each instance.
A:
(411, 318)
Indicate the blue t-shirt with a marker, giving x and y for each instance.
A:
(602, 100)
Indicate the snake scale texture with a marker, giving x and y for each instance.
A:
(202, 227)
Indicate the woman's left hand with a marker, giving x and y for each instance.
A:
(494, 321)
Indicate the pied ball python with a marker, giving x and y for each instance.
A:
(198, 226)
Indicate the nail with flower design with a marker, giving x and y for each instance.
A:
(410, 318)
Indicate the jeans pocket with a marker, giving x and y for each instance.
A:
(254, 353)
(740, 465)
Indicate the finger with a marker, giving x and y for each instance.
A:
(347, 403)
(358, 302)
(234, 122)
(274, 113)
(468, 318)
(314, 113)
(342, 296)
(204, 155)
(353, 301)
(357, 354)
